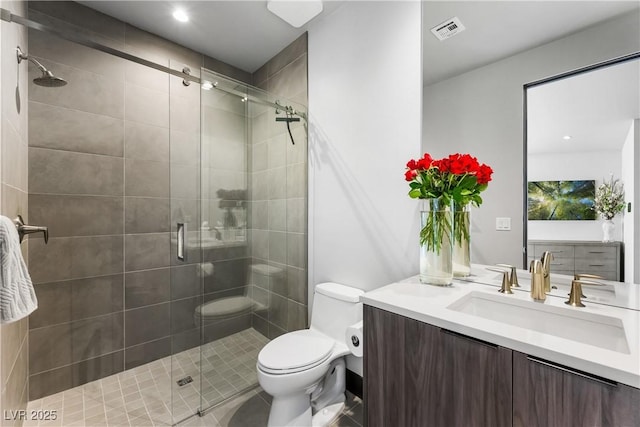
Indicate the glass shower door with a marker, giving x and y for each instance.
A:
(186, 282)
(226, 313)
(253, 230)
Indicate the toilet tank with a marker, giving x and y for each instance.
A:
(335, 307)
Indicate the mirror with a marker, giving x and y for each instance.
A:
(582, 130)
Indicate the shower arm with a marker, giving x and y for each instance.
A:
(7, 16)
(22, 56)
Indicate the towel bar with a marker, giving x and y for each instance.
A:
(24, 229)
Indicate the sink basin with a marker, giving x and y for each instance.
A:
(587, 328)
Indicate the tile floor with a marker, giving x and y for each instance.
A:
(143, 396)
(251, 409)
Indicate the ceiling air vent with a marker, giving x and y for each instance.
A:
(448, 28)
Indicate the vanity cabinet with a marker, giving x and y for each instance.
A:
(570, 257)
(546, 395)
(416, 374)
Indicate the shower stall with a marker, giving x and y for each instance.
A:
(175, 199)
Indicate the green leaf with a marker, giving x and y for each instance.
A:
(414, 193)
(415, 185)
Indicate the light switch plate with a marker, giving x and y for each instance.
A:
(503, 224)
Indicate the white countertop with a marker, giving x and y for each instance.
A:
(430, 304)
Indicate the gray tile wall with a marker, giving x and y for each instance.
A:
(14, 343)
(278, 187)
(112, 165)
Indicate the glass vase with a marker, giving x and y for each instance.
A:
(607, 230)
(436, 238)
(461, 240)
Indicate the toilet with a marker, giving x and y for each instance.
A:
(304, 371)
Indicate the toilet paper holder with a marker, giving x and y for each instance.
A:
(355, 341)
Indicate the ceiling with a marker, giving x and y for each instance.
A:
(245, 34)
(242, 33)
(596, 109)
(498, 29)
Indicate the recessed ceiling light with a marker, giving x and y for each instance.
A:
(181, 15)
(566, 137)
(295, 13)
(207, 85)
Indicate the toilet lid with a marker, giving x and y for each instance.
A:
(225, 306)
(296, 350)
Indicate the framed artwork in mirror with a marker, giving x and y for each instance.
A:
(561, 200)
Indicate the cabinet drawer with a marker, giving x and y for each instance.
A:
(605, 264)
(596, 252)
(562, 264)
(558, 251)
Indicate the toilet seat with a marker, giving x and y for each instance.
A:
(295, 352)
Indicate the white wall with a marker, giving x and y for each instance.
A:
(364, 103)
(593, 165)
(482, 112)
(365, 116)
(629, 153)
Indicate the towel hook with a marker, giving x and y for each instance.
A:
(24, 229)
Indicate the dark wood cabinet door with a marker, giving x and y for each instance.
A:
(416, 374)
(427, 376)
(548, 395)
(480, 382)
(383, 382)
(621, 406)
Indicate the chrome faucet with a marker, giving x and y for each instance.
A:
(537, 280)
(546, 259)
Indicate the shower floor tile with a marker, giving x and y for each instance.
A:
(142, 396)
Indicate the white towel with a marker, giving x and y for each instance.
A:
(17, 296)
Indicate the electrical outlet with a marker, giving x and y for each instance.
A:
(503, 224)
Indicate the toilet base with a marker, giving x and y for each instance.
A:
(327, 415)
(292, 410)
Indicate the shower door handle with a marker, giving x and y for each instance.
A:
(180, 236)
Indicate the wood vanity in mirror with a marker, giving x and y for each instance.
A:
(581, 256)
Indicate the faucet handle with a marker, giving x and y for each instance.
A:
(506, 283)
(576, 291)
(513, 279)
(579, 276)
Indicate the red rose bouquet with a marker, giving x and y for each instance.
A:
(459, 178)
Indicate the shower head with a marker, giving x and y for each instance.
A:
(47, 79)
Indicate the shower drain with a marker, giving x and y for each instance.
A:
(184, 381)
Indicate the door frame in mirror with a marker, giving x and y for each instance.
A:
(526, 86)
